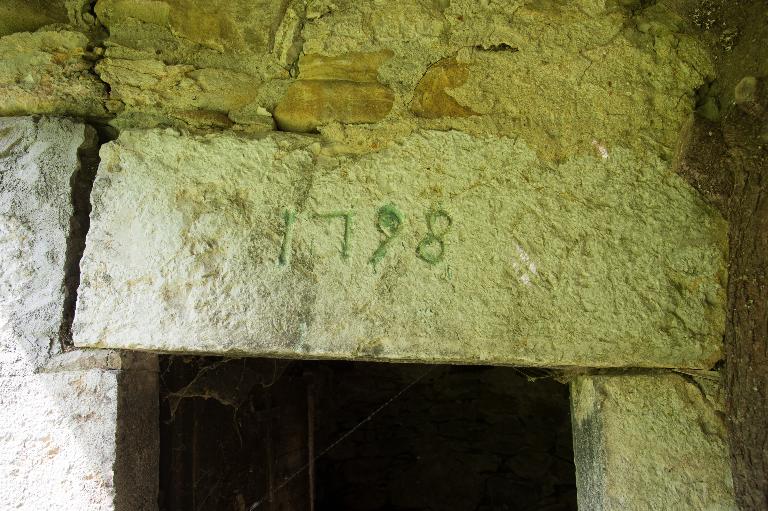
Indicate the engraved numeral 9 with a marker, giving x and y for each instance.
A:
(389, 221)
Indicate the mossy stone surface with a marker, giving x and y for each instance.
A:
(47, 72)
(443, 247)
(654, 441)
(561, 75)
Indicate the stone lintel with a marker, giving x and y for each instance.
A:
(444, 247)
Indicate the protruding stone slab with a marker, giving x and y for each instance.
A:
(444, 247)
(650, 442)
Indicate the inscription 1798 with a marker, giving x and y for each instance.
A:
(389, 221)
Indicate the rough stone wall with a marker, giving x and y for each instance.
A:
(65, 427)
(655, 441)
(568, 78)
(591, 95)
(589, 81)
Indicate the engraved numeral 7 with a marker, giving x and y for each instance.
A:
(347, 216)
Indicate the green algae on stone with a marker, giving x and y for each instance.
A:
(598, 261)
(655, 441)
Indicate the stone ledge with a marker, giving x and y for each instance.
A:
(83, 360)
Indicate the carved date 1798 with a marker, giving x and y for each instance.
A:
(389, 221)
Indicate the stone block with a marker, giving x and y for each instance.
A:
(431, 98)
(38, 161)
(342, 89)
(443, 247)
(196, 31)
(82, 438)
(78, 428)
(309, 104)
(203, 97)
(650, 442)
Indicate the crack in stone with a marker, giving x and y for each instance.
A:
(81, 184)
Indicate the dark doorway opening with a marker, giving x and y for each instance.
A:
(260, 434)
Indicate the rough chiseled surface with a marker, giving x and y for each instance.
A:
(48, 72)
(597, 261)
(650, 442)
(76, 428)
(38, 158)
(57, 438)
(68, 440)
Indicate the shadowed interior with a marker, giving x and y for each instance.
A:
(239, 434)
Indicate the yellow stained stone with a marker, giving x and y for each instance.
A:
(343, 88)
(430, 100)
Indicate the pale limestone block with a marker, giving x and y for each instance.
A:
(650, 442)
(78, 429)
(38, 159)
(443, 247)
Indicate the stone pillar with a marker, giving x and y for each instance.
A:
(78, 428)
(650, 442)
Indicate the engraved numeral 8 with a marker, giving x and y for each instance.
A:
(432, 247)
